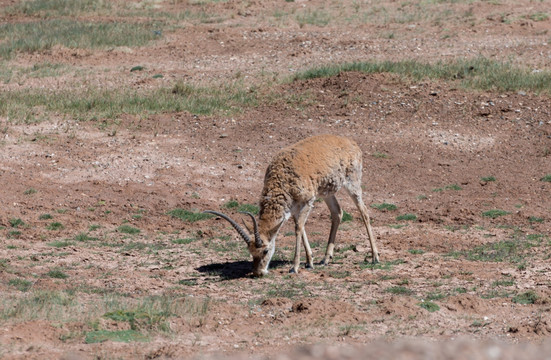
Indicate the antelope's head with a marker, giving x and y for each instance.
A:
(261, 248)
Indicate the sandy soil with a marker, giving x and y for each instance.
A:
(427, 146)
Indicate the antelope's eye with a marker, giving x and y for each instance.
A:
(265, 251)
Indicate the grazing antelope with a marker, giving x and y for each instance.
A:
(314, 167)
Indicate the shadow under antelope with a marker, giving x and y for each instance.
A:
(318, 166)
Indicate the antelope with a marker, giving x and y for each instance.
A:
(316, 167)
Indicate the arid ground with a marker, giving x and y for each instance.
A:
(109, 152)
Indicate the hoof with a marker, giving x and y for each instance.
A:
(373, 261)
(309, 266)
(293, 271)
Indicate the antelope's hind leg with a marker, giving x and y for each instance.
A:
(355, 191)
(336, 216)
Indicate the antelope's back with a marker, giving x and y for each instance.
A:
(318, 164)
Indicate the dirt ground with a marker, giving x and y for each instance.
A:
(94, 198)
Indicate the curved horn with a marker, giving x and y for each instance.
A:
(233, 223)
(257, 240)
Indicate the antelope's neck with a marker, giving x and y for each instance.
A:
(274, 209)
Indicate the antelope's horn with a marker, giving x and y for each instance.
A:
(257, 240)
(233, 223)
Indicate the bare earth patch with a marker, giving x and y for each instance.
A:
(93, 264)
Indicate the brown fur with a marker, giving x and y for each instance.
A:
(315, 167)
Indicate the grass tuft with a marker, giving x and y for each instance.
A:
(429, 306)
(488, 178)
(189, 216)
(55, 226)
(57, 274)
(125, 336)
(84, 237)
(43, 35)
(448, 187)
(495, 213)
(384, 207)
(478, 73)
(408, 217)
(127, 229)
(16, 223)
(528, 297)
(20, 284)
(50, 8)
(399, 290)
(346, 217)
(253, 209)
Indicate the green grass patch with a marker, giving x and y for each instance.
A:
(16, 223)
(60, 243)
(495, 213)
(45, 217)
(399, 290)
(406, 217)
(346, 217)
(289, 289)
(189, 216)
(84, 237)
(435, 296)
(429, 306)
(387, 265)
(380, 155)
(539, 16)
(512, 250)
(253, 209)
(144, 314)
(125, 336)
(32, 105)
(315, 17)
(337, 274)
(55, 226)
(546, 178)
(232, 204)
(503, 282)
(535, 219)
(43, 35)
(478, 73)
(183, 241)
(39, 304)
(14, 234)
(416, 251)
(448, 187)
(488, 178)
(384, 207)
(29, 191)
(528, 297)
(20, 284)
(50, 8)
(140, 318)
(57, 274)
(127, 229)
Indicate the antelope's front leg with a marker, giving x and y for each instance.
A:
(296, 260)
(308, 251)
(300, 221)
